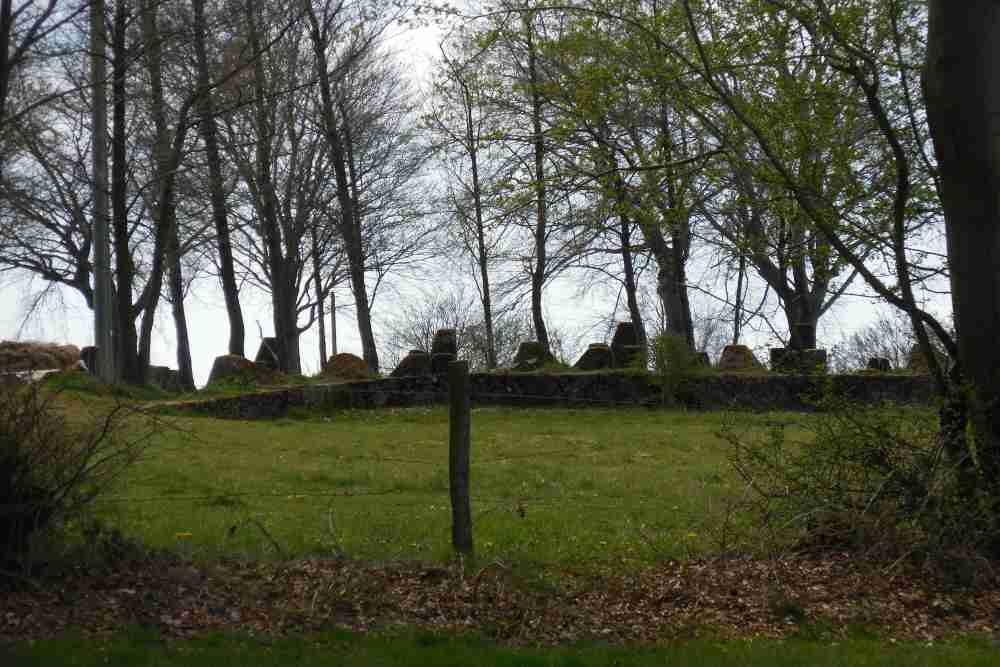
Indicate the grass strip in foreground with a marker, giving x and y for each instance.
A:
(144, 647)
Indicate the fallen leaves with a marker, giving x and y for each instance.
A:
(726, 597)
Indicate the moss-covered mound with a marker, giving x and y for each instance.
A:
(416, 363)
(18, 355)
(232, 369)
(346, 366)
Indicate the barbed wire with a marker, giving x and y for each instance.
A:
(651, 400)
(499, 501)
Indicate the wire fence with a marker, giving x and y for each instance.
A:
(592, 500)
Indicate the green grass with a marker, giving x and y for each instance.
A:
(83, 386)
(140, 647)
(549, 486)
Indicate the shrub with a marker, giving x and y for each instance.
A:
(873, 479)
(674, 363)
(51, 466)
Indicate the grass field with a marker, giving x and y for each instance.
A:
(141, 647)
(580, 495)
(552, 486)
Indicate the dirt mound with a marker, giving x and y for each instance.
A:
(233, 369)
(16, 355)
(346, 366)
(738, 358)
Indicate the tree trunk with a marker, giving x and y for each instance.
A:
(318, 287)
(6, 28)
(184, 370)
(333, 322)
(487, 301)
(631, 291)
(167, 156)
(362, 304)
(103, 318)
(671, 284)
(283, 294)
(541, 203)
(483, 254)
(125, 310)
(802, 317)
(209, 134)
(962, 89)
(741, 272)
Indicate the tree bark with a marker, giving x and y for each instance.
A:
(283, 294)
(209, 134)
(318, 289)
(184, 370)
(483, 255)
(962, 90)
(167, 156)
(103, 317)
(126, 311)
(333, 322)
(541, 202)
(631, 290)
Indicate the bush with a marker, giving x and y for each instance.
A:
(51, 466)
(871, 479)
(674, 363)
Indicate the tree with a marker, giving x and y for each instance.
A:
(25, 28)
(461, 123)
(890, 336)
(366, 118)
(284, 200)
(208, 129)
(103, 320)
(512, 43)
(323, 30)
(637, 141)
(962, 93)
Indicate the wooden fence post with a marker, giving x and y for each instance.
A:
(458, 456)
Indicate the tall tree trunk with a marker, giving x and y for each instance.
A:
(541, 202)
(483, 254)
(318, 288)
(487, 301)
(125, 310)
(6, 28)
(208, 129)
(333, 322)
(741, 273)
(962, 89)
(616, 184)
(167, 156)
(103, 317)
(671, 283)
(283, 296)
(680, 247)
(631, 291)
(349, 228)
(674, 222)
(184, 369)
(802, 317)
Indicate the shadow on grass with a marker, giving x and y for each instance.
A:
(144, 646)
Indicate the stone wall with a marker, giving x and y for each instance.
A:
(704, 392)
